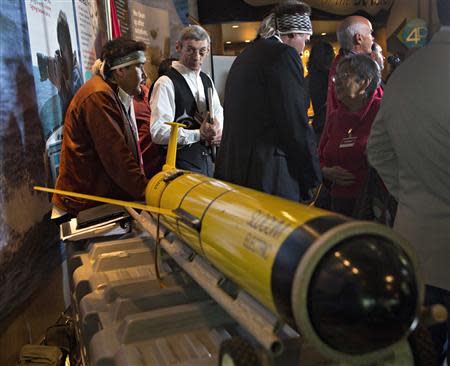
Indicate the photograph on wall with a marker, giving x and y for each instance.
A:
(151, 26)
(157, 23)
(92, 32)
(56, 67)
(123, 17)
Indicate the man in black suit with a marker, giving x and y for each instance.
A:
(267, 143)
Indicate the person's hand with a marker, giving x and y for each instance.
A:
(215, 141)
(207, 131)
(338, 175)
(210, 132)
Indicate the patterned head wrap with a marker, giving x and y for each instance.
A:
(294, 23)
(283, 24)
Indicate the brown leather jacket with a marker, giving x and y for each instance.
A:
(96, 158)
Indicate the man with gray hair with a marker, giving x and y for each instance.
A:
(182, 96)
(267, 143)
(354, 34)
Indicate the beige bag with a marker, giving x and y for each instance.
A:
(34, 355)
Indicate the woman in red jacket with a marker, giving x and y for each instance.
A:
(342, 148)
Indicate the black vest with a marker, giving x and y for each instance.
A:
(194, 157)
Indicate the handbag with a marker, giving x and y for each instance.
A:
(374, 202)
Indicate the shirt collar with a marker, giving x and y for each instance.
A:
(177, 65)
(277, 38)
(125, 98)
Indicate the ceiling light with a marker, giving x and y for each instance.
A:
(323, 34)
(235, 26)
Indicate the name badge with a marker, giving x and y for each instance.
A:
(348, 142)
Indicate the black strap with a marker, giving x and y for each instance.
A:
(129, 133)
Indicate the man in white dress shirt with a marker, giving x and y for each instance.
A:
(182, 96)
(409, 145)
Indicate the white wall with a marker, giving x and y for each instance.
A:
(222, 66)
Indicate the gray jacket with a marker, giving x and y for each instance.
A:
(409, 145)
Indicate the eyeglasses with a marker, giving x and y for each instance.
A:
(346, 76)
(201, 51)
(340, 77)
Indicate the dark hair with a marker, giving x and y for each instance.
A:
(364, 68)
(165, 65)
(119, 47)
(443, 7)
(291, 7)
(63, 32)
(321, 57)
(375, 47)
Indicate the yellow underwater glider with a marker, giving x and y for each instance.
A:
(350, 286)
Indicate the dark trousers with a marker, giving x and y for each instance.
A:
(439, 332)
(195, 158)
(204, 165)
(343, 206)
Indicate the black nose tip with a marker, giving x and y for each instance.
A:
(363, 295)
